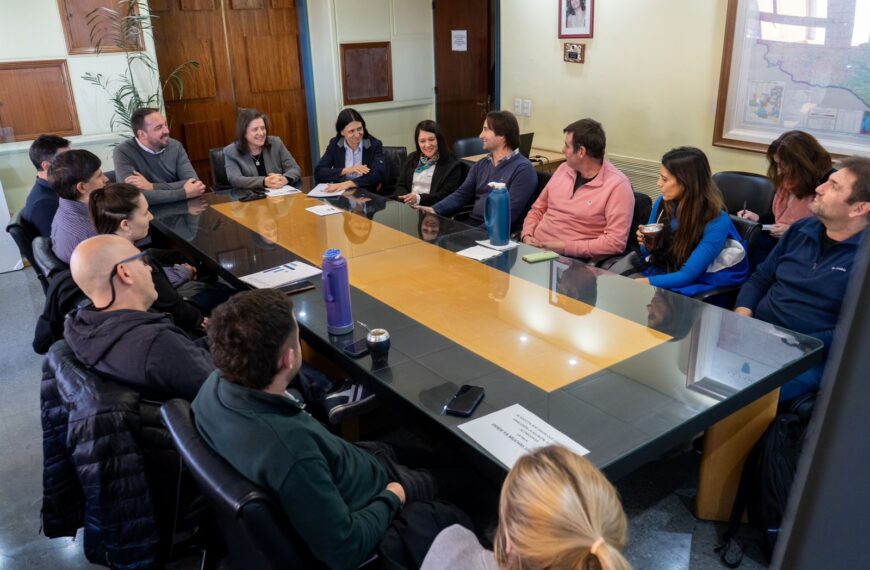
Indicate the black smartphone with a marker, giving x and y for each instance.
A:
(464, 401)
(251, 197)
(357, 349)
(297, 287)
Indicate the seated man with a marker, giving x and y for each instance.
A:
(504, 163)
(74, 174)
(340, 498)
(42, 201)
(587, 206)
(118, 337)
(801, 285)
(155, 163)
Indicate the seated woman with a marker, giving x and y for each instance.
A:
(121, 209)
(353, 157)
(699, 247)
(430, 173)
(797, 164)
(557, 510)
(256, 160)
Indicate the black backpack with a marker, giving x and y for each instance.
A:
(766, 481)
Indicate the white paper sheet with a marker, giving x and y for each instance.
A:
(281, 275)
(459, 40)
(283, 191)
(324, 210)
(767, 227)
(478, 252)
(508, 246)
(319, 191)
(510, 433)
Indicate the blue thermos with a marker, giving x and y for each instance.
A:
(498, 214)
(336, 293)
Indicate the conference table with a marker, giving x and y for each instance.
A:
(626, 370)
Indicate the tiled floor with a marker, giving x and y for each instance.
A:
(658, 498)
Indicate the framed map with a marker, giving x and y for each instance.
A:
(795, 64)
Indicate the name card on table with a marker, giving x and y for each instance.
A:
(510, 433)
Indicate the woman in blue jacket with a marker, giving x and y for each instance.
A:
(700, 248)
(353, 158)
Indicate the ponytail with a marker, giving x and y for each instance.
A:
(111, 205)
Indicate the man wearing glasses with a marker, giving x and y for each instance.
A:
(118, 337)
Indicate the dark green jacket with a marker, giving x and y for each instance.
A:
(333, 492)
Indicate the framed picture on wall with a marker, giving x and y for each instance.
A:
(575, 18)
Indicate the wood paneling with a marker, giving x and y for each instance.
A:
(36, 98)
(199, 83)
(247, 4)
(366, 72)
(159, 5)
(282, 4)
(263, 72)
(195, 5)
(76, 18)
(201, 136)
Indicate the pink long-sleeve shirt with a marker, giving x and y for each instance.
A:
(594, 220)
(788, 208)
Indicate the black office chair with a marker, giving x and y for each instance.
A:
(467, 147)
(45, 258)
(725, 296)
(110, 175)
(394, 158)
(255, 529)
(218, 169)
(23, 233)
(642, 209)
(753, 190)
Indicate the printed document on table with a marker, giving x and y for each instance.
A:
(478, 252)
(319, 191)
(281, 275)
(510, 433)
(286, 190)
(324, 210)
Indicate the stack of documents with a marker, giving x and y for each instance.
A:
(283, 191)
(319, 191)
(281, 275)
(479, 253)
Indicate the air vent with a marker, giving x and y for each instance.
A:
(643, 174)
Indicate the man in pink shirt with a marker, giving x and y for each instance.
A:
(586, 208)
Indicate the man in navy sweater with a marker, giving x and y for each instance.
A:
(504, 163)
(42, 201)
(801, 285)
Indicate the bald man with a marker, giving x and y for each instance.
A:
(118, 337)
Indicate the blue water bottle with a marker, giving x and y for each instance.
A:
(498, 214)
(336, 293)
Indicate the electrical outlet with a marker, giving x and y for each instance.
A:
(518, 106)
(527, 108)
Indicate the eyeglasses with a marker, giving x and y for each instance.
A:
(142, 256)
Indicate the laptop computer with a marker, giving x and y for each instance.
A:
(526, 144)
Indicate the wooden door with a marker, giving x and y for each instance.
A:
(204, 116)
(254, 62)
(267, 69)
(463, 79)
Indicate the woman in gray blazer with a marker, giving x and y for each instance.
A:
(257, 160)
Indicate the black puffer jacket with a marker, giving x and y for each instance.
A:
(107, 465)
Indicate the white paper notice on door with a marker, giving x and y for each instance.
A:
(459, 40)
(510, 433)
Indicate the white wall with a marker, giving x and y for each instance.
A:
(651, 76)
(407, 24)
(32, 30)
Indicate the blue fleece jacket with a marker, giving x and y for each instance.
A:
(800, 289)
(712, 242)
(515, 171)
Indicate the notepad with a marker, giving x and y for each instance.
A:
(319, 191)
(286, 190)
(281, 275)
(767, 227)
(324, 210)
(508, 246)
(478, 252)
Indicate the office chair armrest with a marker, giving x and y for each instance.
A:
(723, 296)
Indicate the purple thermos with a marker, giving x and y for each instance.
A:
(336, 293)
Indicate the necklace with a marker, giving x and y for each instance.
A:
(257, 159)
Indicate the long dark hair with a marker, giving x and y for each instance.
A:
(430, 127)
(803, 161)
(570, 9)
(700, 202)
(113, 204)
(244, 118)
(346, 117)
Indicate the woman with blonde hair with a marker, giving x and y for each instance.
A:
(557, 511)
